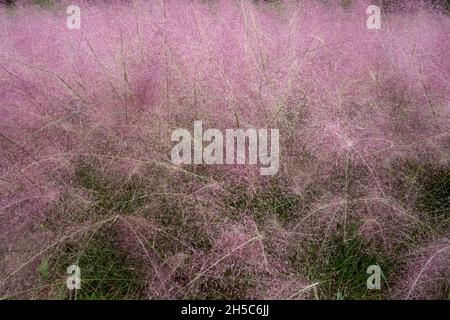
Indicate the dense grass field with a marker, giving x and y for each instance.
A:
(86, 176)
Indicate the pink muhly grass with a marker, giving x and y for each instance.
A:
(86, 117)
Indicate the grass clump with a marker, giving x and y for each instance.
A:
(339, 266)
(268, 202)
(232, 284)
(45, 4)
(427, 187)
(106, 271)
(434, 198)
(124, 198)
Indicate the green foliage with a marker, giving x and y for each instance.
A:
(106, 272)
(45, 4)
(43, 269)
(110, 196)
(178, 228)
(270, 202)
(434, 199)
(232, 284)
(340, 266)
